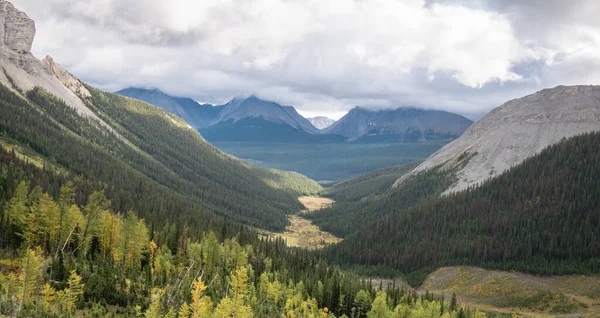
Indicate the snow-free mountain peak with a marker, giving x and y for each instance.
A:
(254, 107)
(410, 124)
(517, 130)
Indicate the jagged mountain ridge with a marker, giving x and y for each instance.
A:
(321, 122)
(410, 123)
(517, 130)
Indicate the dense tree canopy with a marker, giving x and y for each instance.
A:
(541, 217)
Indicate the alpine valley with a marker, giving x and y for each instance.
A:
(273, 136)
(135, 204)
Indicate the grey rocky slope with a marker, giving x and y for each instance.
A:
(321, 122)
(360, 122)
(517, 130)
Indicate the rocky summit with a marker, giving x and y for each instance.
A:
(515, 131)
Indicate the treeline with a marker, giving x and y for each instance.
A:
(540, 217)
(155, 165)
(61, 259)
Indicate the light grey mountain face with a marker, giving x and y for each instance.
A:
(517, 130)
(360, 122)
(321, 122)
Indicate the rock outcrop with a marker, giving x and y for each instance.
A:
(516, 131)
(22, 71)
(16, 34)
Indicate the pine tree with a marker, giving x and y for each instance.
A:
(453, 302)
(380, 308)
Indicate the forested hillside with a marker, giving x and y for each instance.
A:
(540, 217)
(357, 208)
(148, 160)
(370, 184)
(64, 252)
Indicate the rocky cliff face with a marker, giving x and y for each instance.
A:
(16, 35)
(517, 130)
(22, 71)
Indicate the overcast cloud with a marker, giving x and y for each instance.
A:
(325, 57)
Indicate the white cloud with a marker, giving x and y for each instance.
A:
(324, 56)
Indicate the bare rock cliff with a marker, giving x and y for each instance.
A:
(23, 71)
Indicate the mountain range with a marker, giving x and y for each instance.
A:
(254, 119)
(406, 124)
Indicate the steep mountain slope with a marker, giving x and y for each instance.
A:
(540, 217)
(136, 148)
(195, 114)
(406, 124)
(517, 130)
(321, 122)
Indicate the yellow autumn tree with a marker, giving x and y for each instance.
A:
(132, 241)
(70, 223)
(184, 311)
(73, 292)
(108, 233)
(49, 298)
(15, 214)
(97, 203)
(31, 276)
(201, 304)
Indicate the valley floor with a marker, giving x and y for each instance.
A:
(527, 295)
(301, 232)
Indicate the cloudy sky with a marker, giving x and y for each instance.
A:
(325, 57)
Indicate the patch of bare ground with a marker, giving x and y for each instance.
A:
(511, 292)
(301, 232)
(315, 203)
